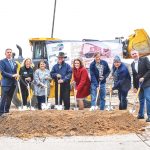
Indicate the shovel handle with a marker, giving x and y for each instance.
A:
(138, 91)
(20, 93)
(58, 94)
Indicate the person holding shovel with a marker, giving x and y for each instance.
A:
(122, 81)
(42, 80)
(81, 82)
(99, 71)
(62, 73)
(8, 69)
(141, 76)
(26, 76)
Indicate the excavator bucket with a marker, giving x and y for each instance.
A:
(139, 41)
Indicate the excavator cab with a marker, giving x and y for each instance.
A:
(39, 50)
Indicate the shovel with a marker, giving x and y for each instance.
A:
(20, 93)
(58, 107)
(30, 101)
(135, 100)
(46, 105)
(96, 107)
(75, 98)
(109, 106)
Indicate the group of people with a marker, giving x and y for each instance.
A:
(84, 84)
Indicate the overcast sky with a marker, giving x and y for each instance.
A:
(75, 19)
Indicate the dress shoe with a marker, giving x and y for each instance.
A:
(140, 117)
(148, 119)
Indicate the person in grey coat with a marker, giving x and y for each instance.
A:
(42, 82)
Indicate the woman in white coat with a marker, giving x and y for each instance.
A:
(42, 82)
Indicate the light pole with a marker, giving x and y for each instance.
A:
(53, 23)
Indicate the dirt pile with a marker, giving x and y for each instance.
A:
(68, 123)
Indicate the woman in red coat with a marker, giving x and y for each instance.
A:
(82, 81)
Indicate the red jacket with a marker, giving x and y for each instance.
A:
(82, 82)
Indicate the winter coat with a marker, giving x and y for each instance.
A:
(123, 82)
(25, 73)
(39, 79)
(95, 73)
(82, 82)
(65, 71)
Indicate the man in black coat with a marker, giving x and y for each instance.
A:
(141, 75)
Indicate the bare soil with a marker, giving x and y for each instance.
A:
(68, 123)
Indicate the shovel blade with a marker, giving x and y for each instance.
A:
(46, 106)
(93, 108)
(58, 107)
(32, 108)
(76, 108)
(132, 111)
(20, 108)
(109, 107)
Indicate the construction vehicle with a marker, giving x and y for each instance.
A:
(48, 48)
(139, 41)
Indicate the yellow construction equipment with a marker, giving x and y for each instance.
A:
(139, 41)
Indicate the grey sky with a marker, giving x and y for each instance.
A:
(75, 19)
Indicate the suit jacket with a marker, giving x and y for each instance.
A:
(143, 71)
(7, 72)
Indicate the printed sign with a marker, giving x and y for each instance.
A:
(84, 51)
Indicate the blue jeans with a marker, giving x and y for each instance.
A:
(144, 95)
(102, 95)
(7, 94)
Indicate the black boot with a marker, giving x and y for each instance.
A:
(140, 117)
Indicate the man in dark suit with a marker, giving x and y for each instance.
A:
(8, 69)
(141, 75)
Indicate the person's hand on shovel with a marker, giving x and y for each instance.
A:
(60, 81)
(98, 88)
(141, 80)
(28, 79)
(16, 76)
(43, 85)
(58, 76)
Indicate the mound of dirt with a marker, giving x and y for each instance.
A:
(68, 123)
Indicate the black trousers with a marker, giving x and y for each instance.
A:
(64, 94)
(123, 100)
(6, 98)
(40, 99)
(25, 94)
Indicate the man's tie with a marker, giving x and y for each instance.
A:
(11, 64)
